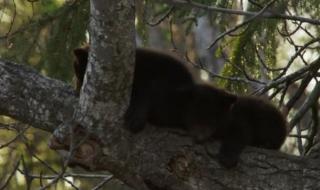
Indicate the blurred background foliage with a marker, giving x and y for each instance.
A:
(43, 33)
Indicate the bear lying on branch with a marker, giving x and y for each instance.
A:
(166, 94)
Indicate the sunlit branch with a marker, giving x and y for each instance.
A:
(266, 15)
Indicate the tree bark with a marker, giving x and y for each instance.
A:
(34, 99)
(160, 158)
(107, 86)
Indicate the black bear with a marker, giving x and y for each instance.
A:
(166, 94)
(251, 121)
(80, 65)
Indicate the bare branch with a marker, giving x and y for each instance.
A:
(242, 24)
(14, 139)
(304, 83)
(313, 97)
(267, 15)
(15, 168)
(306, 45)
(164, 16)
(75, 175)
(313, 67)
(13, 19)
(103, 182)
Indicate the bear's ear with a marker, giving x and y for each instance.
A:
(80, 64)
(81, 55)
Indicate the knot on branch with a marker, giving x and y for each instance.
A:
(181, 166)
(77, 146)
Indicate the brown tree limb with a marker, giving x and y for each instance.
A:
(34, 99)
(157, 157)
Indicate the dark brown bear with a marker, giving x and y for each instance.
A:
(252, 121)
(80, 65)
(165, 94)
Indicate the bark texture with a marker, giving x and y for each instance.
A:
(107, 86)
(160, 158)
(31, 98)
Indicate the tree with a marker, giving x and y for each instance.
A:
(90, 128)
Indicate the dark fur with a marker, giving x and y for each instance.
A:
(159, 82)
(165, 94)
(251, 121)
(80, 65)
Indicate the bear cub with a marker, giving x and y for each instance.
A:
(166, 94)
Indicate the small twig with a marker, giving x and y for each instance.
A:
(314, 66)
(41, 22)
(14, 139)
(15, 168)
(264, 64)
(102, 183)
(296, 55)
(12, 21)
(215, 75)
(166, 15)
(40, 179)
(56, 179)
(266, 15)
(75, 175)
(314, 128)
(171, 34)
(27, 177)
(11, 127)
(242, 24)
(303, 85)
(313, 97)
(277, 90)
(49, 167)
(248, 77)
(299, 140)
(284, 91)
(287, 33)
(298, 136)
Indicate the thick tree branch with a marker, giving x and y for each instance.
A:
(34, 99)
(107, 85)
(158, 157)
